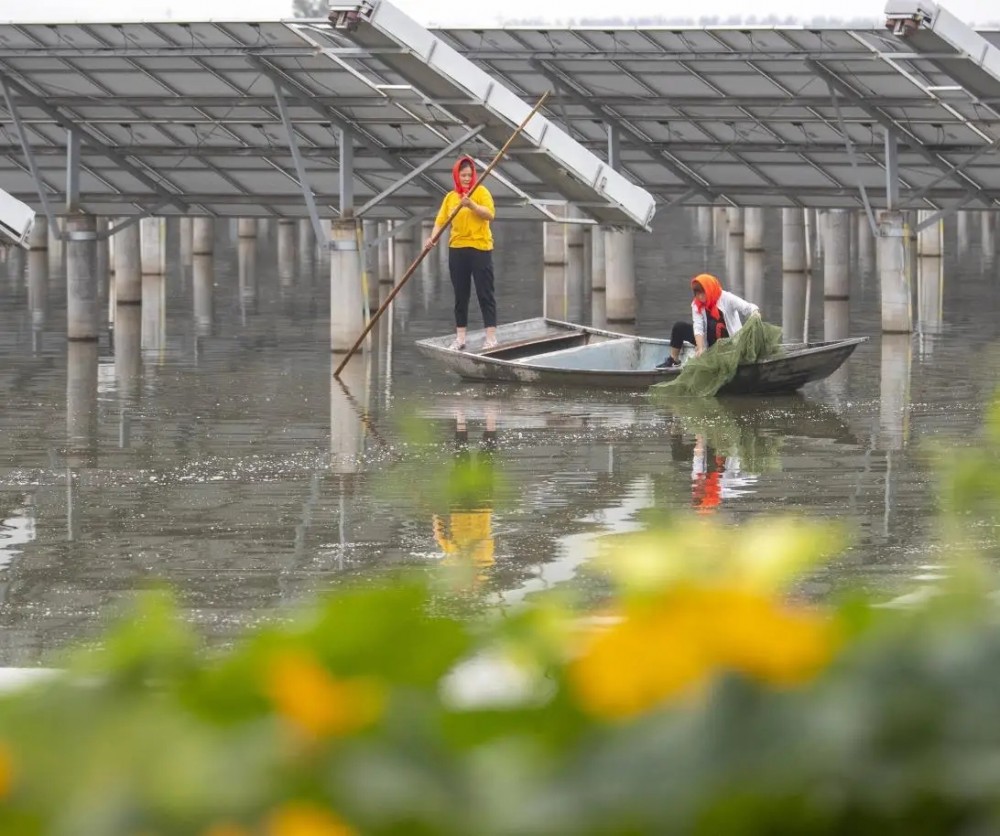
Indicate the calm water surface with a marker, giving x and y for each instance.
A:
(225, 461)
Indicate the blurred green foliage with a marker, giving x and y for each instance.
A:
(700, 699)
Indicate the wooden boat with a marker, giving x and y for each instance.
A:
(548, 352)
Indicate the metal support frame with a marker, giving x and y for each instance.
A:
(580, 97)
(132, 219)
(346, 173)
(444, 152)
(30, 157)
(396, 228)
(89, 140)
(891, 171)
(72, 172)
(853, 158)
(890, 124)
(614, 146)
(300, 171)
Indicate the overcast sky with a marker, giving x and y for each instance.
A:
(484, 12)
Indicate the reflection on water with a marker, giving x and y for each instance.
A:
(226, 459)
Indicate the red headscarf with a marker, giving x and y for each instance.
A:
(454, 175)
(713, 291)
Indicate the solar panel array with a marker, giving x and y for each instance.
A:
(183, 116)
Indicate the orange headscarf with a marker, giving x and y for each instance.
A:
(713, 291)
(454, 174)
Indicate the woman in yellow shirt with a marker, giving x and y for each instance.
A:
(470, 253)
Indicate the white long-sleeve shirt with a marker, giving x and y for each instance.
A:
(733, 309)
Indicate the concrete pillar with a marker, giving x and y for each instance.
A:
(963, 223)
(753, 229)
(128, 266)
(575, 270)
(203, 236)
(369, 262)
(286, 251)
(81, 399)
(989, 240)
(346, 304)
(307, 241)
(930, 275)
(56, 248)
(186, 231)
(720, 225)
(128, 350)
(38, 288)
(350, 399)
(620, 266)
(39, 237)
(896, 308)
(753, 271)
(793, 306)
(733, 279)
(793, 241)
(246, 228)
(81, 278)
(263, 228)
(203, 273)
(794, 278)
(403, 251)
(105, 268)
(703, 223)
(866, 245)
(154, 312)
(734, 221)
(598, 263)
(385, 252)
(894, 402)
(429, 266)
(837, 326)
(819, 235)
(599, 310)
(246, 265)
(837, 255)
(151, 243)
(555, 300)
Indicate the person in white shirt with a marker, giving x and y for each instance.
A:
(715, 313)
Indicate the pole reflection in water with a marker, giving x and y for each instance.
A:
(350, 397)
(894, 410)
(128, 350)
(464, 533)
(753, 267)
(38, 293)
(246, 256)
(81, 421)
(203, 271)
(836, 326)
(154, 312)
(385, 332)
(930, 301)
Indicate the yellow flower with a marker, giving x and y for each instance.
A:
(670, 646)
(318, 703)
(299, 818)
(6, 770)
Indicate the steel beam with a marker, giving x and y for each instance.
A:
(300, 170)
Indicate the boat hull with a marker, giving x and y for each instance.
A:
(551, 353)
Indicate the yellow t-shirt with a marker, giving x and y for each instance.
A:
(468, 229)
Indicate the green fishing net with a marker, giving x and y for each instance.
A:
(704, 376)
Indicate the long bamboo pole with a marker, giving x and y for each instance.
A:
(427, 247)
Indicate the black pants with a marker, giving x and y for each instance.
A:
(467, 264)
(683, 331)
